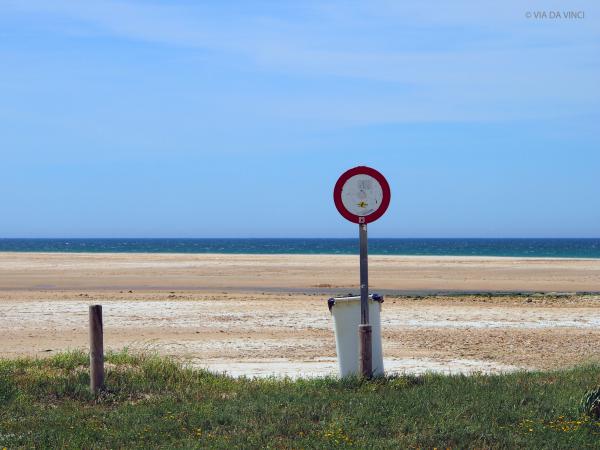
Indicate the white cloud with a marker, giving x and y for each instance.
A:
(499, 64)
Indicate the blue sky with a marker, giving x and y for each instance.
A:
(217, 119)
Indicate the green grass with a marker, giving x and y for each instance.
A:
(154, 402)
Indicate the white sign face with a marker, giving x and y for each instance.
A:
(362, 195)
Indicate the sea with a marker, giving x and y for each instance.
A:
(538, 248)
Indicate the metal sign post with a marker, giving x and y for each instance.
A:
(362, 195)
(364, 329)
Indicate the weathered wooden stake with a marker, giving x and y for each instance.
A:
(96, 349)
(364, 329)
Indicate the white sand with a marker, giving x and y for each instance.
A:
(259, 314)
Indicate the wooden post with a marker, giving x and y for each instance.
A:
(96, 349)
(364, 329)
(365, 346)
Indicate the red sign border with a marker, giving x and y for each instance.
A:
(361, 170)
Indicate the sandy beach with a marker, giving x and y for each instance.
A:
(262, 314)
(300, 273)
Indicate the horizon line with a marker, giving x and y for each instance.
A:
(292, 237)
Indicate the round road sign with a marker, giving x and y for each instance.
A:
(361, 195)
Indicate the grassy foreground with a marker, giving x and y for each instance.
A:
(154, 402)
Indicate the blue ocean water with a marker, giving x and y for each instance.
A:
(555, 248)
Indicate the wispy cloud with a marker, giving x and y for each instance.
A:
(465, 60)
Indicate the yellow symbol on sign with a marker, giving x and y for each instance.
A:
(363, 204)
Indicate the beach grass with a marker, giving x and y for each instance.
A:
(155, 402)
